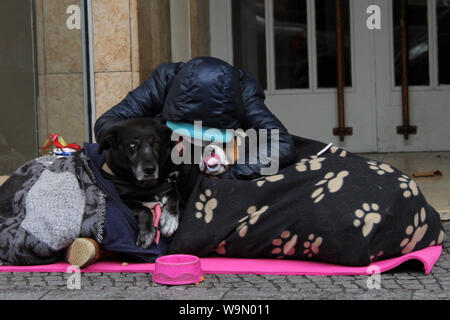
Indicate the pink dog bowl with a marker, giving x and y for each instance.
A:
(178, 269)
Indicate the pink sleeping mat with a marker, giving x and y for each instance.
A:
(428, 256)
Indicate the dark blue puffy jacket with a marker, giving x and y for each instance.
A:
(206, 89)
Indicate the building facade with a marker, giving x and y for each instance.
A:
(64, 62)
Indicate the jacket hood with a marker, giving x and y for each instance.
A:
(206, 89)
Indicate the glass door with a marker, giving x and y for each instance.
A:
(428, 52)
(18, 123)
(291, 48)
(43, 82)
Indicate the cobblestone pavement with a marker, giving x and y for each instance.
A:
(406, 282)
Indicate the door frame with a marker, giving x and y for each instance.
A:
(87, 47)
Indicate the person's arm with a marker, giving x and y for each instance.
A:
(258, 116)
(146, 100)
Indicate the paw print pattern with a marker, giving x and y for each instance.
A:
(440, 239)
(285, 245)
(368, 216)
(377, 256)
(221, 248)
(334, 183)
(409, 186)
(415, 232)
(380, 168)
(342, 153)
(312, 245)
(205, 206)
(314, 164)
(251, 218)
(275, 178)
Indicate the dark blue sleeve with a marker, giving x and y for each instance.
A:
(146, 100)
(258, 116)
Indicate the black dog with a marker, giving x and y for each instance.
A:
(138, 163)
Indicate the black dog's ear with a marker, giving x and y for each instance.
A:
(109, 139)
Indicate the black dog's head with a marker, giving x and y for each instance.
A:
(139, 150)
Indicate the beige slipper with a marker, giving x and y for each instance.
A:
(82, 252)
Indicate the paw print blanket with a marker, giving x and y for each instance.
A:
(337, 207)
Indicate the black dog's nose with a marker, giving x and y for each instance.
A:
(149, 170)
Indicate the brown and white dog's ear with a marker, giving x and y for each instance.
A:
(109, 139)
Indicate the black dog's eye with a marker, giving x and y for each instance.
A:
(155, 144)
(132, 146)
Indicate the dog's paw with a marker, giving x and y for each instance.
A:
(145, 238)
(168, 224)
